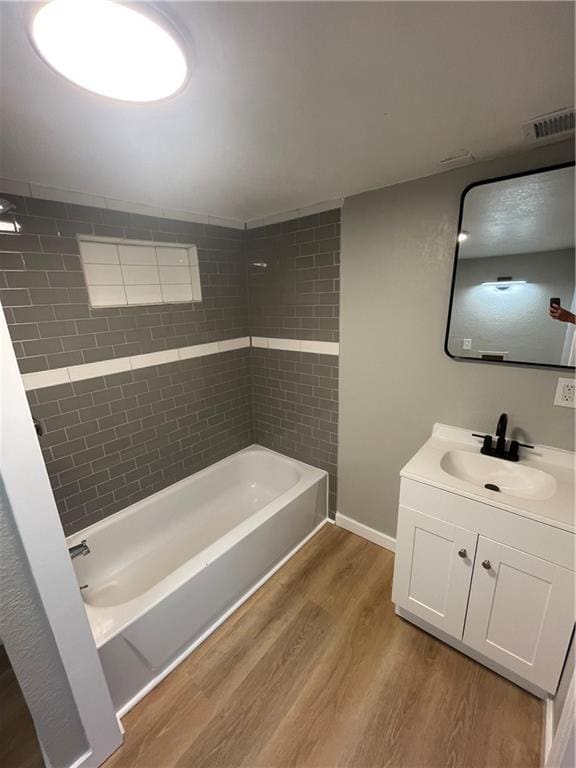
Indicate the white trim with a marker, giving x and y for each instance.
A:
(295, 213)
(179, 659)
(54, 376)
(50, 378)
(547, 728)
(31, 189)
(371, 534)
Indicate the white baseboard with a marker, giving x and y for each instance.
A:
(547, 729)
(371, 534)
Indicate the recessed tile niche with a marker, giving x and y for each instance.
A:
(134, 272)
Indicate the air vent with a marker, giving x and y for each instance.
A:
(549, 126)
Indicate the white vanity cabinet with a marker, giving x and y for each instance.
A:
(492, 583)
(436, 585)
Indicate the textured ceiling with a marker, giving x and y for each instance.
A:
(290, 104)
(523, 215)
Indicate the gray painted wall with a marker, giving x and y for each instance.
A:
(395, 379)
(514, 320)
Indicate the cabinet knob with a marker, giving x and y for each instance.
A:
(462, 553)
(486, 564)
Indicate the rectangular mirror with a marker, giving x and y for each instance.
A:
(512, 297)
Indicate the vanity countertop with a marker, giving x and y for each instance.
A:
(541, 484)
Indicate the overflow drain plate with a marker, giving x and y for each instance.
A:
(492, 487)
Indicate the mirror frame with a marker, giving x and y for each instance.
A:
(467, 189)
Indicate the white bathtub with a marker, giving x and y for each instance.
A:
(163, 573)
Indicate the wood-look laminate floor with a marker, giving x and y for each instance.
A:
(316, 671)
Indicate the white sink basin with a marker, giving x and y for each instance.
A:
(539, 486)
(513, 479)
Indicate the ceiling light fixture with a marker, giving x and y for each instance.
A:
(110, 48)
(463, 236)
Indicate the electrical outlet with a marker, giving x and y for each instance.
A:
(466, 343)
(566, 393)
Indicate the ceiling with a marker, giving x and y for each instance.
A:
(529, 214)
(290, 104)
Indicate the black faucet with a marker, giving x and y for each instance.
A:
(500, 451)
(501, 428)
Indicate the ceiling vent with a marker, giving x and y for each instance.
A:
(555, 124)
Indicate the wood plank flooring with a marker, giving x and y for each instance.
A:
(316, 671)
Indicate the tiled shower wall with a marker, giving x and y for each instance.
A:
(112, 440)
(294, 293)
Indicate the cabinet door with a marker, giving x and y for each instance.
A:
(521, 612)
(433, 569)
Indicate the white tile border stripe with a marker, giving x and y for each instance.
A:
(50, 378)
(298, 345)
(54, 376)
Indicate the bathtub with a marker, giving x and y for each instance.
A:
(165, 572)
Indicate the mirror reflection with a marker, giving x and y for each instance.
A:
(513, 294)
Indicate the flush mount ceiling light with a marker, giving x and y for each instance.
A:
(110, 48)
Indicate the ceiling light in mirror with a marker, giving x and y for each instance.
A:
(110, 49)
(462, 237)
